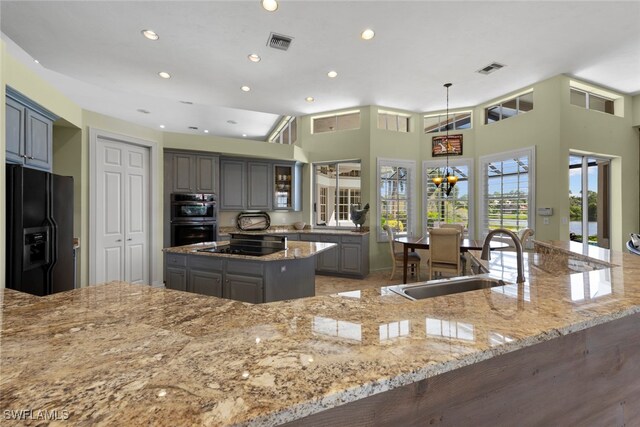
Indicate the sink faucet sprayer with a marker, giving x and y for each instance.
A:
(486, 255)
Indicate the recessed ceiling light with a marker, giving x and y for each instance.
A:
(332, 74)
(36, 61)
(232, 122)
(367, 34)
(245, 88)
(254, 57)
(244, 135)
(206, 131)
(270, 5)
(309, 99)
(164, 75)
(161, 126)
(150, 34)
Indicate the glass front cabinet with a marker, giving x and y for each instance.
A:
(287, 188)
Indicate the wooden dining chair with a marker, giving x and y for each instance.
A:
(397, 257)
(444, 249)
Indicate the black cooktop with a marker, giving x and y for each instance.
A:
(241, 250)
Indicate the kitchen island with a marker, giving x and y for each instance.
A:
(563, 348)
(286, 274)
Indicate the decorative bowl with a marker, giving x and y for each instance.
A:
(299, 225)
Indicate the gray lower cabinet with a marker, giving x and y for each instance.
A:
(244, 288)
(349, 258)
(176, 278)
(205, 282)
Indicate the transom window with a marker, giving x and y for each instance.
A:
(439, 123)
(390, 120)
(337, 187)
(509, 108)
(396, 194)
(457, 207)
(593, 98)
(507, 195)
(346, 120)
(286, 132)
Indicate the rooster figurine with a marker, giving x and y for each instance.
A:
(358, 216)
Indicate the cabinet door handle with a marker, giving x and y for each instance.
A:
(24, 156)
(129, 239)
(30, 157)
(119, 240)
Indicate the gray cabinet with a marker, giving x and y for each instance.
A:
(258, 185)
(192, 173)
(349, 258)
(249, 184)
(29, 133)
(176, 278)
(232, 185)
(205, 282)
(244, 288)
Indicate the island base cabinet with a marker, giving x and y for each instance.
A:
(176, 278)
(205, 283)
(349, 258)
(244, 288)
(241, 280)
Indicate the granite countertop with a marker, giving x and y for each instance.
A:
(295, 250)
(123, 354)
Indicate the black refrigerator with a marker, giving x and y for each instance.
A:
(39, 231)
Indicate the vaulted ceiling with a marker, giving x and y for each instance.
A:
(94, 52)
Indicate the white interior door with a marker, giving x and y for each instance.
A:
(122, 212)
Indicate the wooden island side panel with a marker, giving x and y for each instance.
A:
(590, 378)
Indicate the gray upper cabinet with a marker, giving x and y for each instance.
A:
(206, 171)
(29, 133)
(259, 188)
(232, 185)
(15, 117)
(193, 173)
(259, 184)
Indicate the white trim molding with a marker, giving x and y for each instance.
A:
(412, 219)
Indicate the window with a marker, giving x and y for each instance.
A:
(591, 101)
(507, 190)
(457, 208)
(439, 123)
(286, 132)
(509, 108)
(347, 120)
(396, 194)
(337, 187)
(390, 120)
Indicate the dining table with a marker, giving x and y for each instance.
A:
(422, 242)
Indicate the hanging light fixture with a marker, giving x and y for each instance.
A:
(449, 180)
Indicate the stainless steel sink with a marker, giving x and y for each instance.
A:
(436, 288)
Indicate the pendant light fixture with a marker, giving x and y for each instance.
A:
(449, 180)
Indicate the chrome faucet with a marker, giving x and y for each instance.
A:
(486, 255)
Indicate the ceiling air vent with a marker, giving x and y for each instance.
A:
(494, 66)
(278, 41)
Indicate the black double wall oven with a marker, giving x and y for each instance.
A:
(193, 218)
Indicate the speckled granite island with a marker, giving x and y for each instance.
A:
(561, 349)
